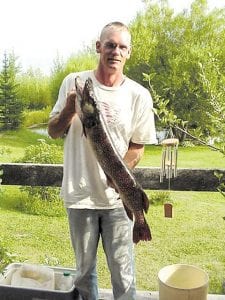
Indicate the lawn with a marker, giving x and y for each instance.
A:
(188, 157)
(195, 234)
(13, 143)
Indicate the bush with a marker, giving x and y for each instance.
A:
(31, 201)
(36, 117)
(5, 257)
(4, 150)
(13, 198)
(41, 153)
(161, 197)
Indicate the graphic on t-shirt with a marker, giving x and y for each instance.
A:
(115, 123)
(109, 113)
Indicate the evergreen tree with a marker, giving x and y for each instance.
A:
(10, 105)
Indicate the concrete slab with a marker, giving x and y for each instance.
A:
(105, 294)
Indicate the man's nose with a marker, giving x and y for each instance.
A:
(117, 50)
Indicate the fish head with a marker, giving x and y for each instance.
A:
(87, 102)
(89, 105)
(79, 95)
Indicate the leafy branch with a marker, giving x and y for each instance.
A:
(166, 117)
(169, 120)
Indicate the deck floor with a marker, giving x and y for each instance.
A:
(105, 294)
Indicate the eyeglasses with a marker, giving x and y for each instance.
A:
(112, 46)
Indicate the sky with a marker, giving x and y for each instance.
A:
(39, 30)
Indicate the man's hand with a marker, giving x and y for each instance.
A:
(59, 124)
(71, 102)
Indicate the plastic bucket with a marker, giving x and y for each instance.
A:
(182, 282)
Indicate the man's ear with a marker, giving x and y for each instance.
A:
(97, 46)
(128, 53)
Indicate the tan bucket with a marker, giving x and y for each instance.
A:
(182, 282)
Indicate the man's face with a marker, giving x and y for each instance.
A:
(114, 48)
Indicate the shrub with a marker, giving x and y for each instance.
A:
(221, 179)
(31, 202)
(36, 117)
(41, 153)
(161, 197)
(5, 257)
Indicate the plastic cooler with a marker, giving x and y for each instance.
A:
(9, 292)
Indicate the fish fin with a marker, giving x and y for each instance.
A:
(141, 232)
(84, 131)
(129, 212)
(110, 182)
(145, 202)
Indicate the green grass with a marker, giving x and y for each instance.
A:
(188, 157)
(19, 138)
(14, 143)
(195, 234)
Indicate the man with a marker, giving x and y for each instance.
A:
(92, 203)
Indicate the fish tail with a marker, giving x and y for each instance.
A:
(141, 232)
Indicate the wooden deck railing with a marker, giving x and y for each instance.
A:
(51, 175)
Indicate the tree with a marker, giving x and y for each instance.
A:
(57, 75)
(83, 60)
(214, 83)
(34, 89)
(171, 48)
(10, 105)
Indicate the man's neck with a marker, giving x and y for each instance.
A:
(107, 79)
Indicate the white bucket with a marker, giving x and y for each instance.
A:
(182, 282)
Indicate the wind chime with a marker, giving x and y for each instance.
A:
(169, 167)
(169, 159)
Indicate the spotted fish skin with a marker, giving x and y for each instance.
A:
(133, 196)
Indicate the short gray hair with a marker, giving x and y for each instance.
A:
(116, 25)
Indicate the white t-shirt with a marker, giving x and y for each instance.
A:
(127, 109)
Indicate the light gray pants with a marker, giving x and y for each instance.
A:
(115, 229)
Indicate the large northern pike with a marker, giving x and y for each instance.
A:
(134, 198)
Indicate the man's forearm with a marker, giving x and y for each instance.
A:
(58, 125)
(133, 155)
